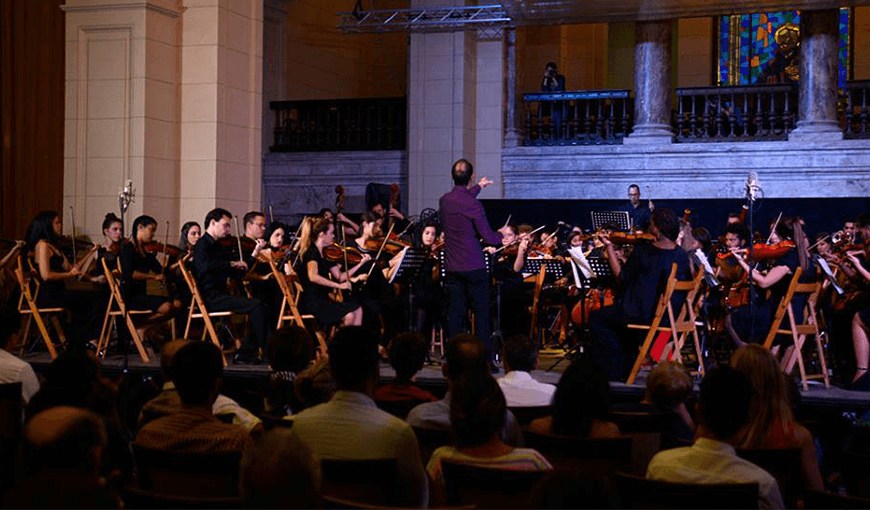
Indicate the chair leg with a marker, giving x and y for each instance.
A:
(134, 333)
(650, 336)
(24, 338)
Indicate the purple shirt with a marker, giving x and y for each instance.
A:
(464, 221)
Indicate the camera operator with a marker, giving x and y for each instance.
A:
(553, 82)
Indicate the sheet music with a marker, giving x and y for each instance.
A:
(830, 274)
(701, 257)
(576, 275)
(579, 259)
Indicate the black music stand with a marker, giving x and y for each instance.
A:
(617, 218)
(601, 267)
(410, 264)
(553, 266)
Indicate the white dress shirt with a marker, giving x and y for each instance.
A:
(521, 390)
(13, 369)
(711, 461)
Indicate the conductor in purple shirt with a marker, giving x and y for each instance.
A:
(464, 222)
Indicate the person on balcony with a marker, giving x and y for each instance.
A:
(553, 82)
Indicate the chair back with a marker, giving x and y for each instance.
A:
(138, 498)
(486, 487)
(639, 492)
(10, 431)
(596, 457)
(399, 408)
(430, 440)
(527, 414)
(370, 481)
(785, 465)
(823, 500)
(188, 474)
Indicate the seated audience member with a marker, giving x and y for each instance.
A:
(667, 388)
(351, 427)
(12, 368)
(520, 357)
(289, 351)
(168, 401)
(580, 404)
(314, 385)
(279, 471)
(61, 456)
(724, 404)
(407, 355)
(771, 422)
(197, 370)
(477, 413)
(465, 353)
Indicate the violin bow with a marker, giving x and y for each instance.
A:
(238, 237)
(507, 221)
(380, 250)
(165, 246)
(817, 242)
(296, 240)
(518, 240)
(271, 216)
(72, 213)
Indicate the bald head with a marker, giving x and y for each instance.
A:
(166, 353)
(64, 437)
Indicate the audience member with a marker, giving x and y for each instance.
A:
(12, 368)
(520, 357)
(280, 471)
(407, 355)
(314, 385)
(724, 404)
(771, 422)
(477, 413)
(289, 351)
(197, 370)
(668, 386)
(168, 401)
(580, 404)
(351, 427)
(61, 455)
(465, 353)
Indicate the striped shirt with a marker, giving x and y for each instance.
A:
(169, 402)
(193, 430)
(519, 459)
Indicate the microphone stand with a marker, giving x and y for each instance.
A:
(753, 291)
(125, 197)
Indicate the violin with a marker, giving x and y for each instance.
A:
(158, 247)
(336, 253)
(248, 244)
(771, 251)
(625, 238)
(392, 247)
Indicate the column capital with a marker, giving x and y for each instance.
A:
(171, 8)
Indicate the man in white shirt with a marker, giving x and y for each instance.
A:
(724, 403)
(520, 390)
(12, 368)
(351, 427)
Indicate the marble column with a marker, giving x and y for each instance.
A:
(817, 89)
(652, 84)
(512, 135)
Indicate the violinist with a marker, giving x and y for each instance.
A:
(53, 269)
(255, 225)
(788, 236)
(138, 265)
(428, 303)
(113, 231)
(641, 280)
(507, 266)
(213, 265)
(849, 231)
(377, 297)
(861, 319)
(190, 234)
(314, 275)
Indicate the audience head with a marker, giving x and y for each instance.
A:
(465, 353)
(407, 355)
(289, 349)
(314, 385)
(167, 352)
(770, 399)
(582, 395)
(75, 372)
(520, 353)
(666, 222)
(462, 172)
(668, 386)
(477, 408)
(724, 402)
(353, 358)
(280, 471)
(64, 437)
(197, 369)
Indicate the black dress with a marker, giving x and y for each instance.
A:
(315, 298)
(135, 291)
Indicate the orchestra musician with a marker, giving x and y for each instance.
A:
(314, 275)
(190, 234)
(139, 265)
(113, 232)
(464, 221)
(213, 265)
(638, 214)
(351, 228)
(860, 322)
(641, 280)
(427, 305)
(255, 225)
(739, 323)
(507, 266)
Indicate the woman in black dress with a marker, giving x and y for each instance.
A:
(429, 297)
(314, 275)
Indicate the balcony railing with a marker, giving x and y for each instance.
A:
(735, 114)
(856, 112)
(340, 124)
(584, 117)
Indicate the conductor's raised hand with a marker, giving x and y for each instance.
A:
(484, 182)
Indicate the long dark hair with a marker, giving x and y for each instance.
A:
(275, 225)
(418, 232)
(110, 220)
(582, 396)
(142, 221)
(185, 229)
(41, 228)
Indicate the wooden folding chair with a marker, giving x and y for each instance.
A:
(799, 332)
(289, 311)
(117, 307)
(27, 306)
(539, 285)
(681, 326)
(198, 310)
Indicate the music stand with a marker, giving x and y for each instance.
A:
(411, 261)
(580, 281)
(553, 266)
(600, 267)
(617, 218)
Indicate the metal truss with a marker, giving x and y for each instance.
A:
(435, 19)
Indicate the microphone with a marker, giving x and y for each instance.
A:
(752, 186)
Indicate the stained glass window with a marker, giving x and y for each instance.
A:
(763, 48)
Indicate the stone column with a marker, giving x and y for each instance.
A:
(817, 92)
(512, 134)
(652, 84)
